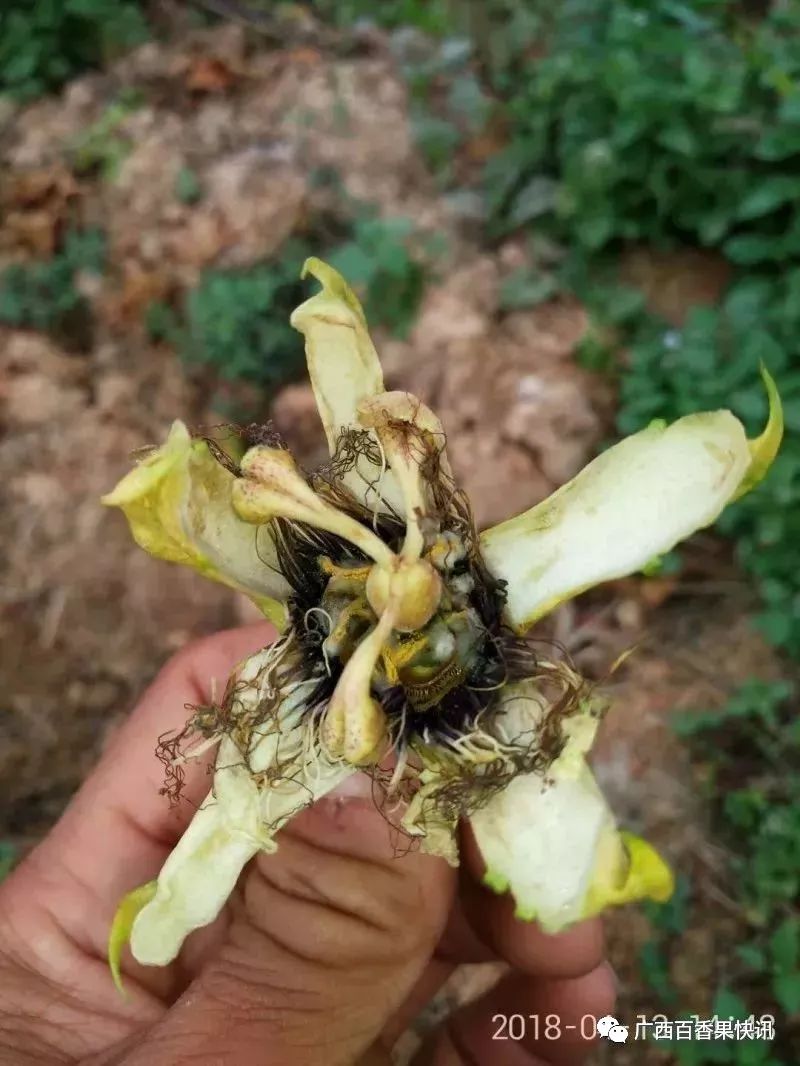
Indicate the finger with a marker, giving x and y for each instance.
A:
(118, 829)
(525, 1021)
(328, 936)
(489, 921)
(422, 994)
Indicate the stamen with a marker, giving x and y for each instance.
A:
(354, 723)
(402, 423)
(271, 486)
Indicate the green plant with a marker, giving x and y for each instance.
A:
(671, 123)
(752, 745)
(379, 263)
(187, 186)
(711, 362)
(749, 749)
(44, 294)
(744, 1052)
(237, 321)
(667, 920)
(526, 287)
(429, 16)
(101, 146)
(447, 103)
(44, 43)
(639, 111)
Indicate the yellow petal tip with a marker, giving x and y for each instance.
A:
(333, 285)
(764, 448)
(649, 876)
(152, 469)
(122, 925)
(645, 875)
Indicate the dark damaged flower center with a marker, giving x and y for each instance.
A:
(439, 684)
(373, 689)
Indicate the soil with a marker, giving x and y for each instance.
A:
(86, 618)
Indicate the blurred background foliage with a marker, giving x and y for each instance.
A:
(624, 123)
(43, 43)
(612, 125)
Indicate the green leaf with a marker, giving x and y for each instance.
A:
(437, 138)
(776, 626)
(789, 110)
(536, 198)
(526, 288)
(767, 195)
(161, 322)
(787, 991)
(778, 143)
(469, 102)
(673, 916)
(654, 968)
(728, 1004)
(353, 262)
(43, 44)
(698, 68)
(784, 945)
(753, 1053)
(748, 250)
(679, 138)
(622, 304)
(187, 186)
(593, 353)
(594, 231)
(752, 956)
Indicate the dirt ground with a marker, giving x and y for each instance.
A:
(86, 619)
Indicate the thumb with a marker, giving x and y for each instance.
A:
(327, 938)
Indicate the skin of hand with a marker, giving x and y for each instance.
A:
(324, 954)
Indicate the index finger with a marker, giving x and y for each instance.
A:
(486, 923)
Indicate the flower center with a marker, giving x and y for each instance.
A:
(432, 630)
(395, 598)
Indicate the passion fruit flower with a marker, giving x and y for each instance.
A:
(403, 651)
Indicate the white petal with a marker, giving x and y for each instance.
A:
(342, 361)
(541, 839)
(237, 820)
(178, 503)
(550, 838)
(202, 870)
(634, 502)
(553, 843)
(344, 370)
(193, 886)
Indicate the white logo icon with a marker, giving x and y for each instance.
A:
(610, 1028)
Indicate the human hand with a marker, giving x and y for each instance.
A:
(325, 953)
